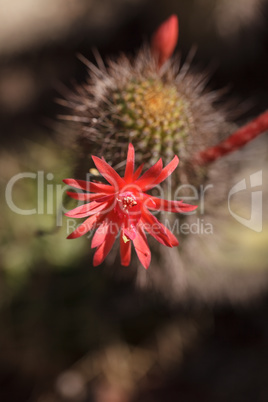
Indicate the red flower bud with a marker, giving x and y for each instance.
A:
(164, 40)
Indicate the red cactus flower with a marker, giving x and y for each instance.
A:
(122, 206)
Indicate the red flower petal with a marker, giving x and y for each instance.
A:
(100, 234)
(148, 201)
(173, 240)
(130, 164)
(149, 176)
(129, 224)
(84, 227)
(142, 249)
(125, 251)
(90, 209)
(170, 206)
(89, 186)
(155, 228)
(84, 196)
(104, 249)
(130, 232)
(171, 166)
(108, 173)
(165, 39)
(138, 172)
(168, 239)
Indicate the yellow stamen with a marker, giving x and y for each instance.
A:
(94, 171)
(125, 238)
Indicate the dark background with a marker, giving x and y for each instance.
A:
(73, 333)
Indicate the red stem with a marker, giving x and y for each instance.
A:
(239, 138)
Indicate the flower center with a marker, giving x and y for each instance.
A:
(127, 204)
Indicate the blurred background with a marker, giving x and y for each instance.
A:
(71, 332)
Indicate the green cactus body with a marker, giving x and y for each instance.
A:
(149, 112)
(163, 112)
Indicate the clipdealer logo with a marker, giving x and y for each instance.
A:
(49, 199)
(255, 220)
